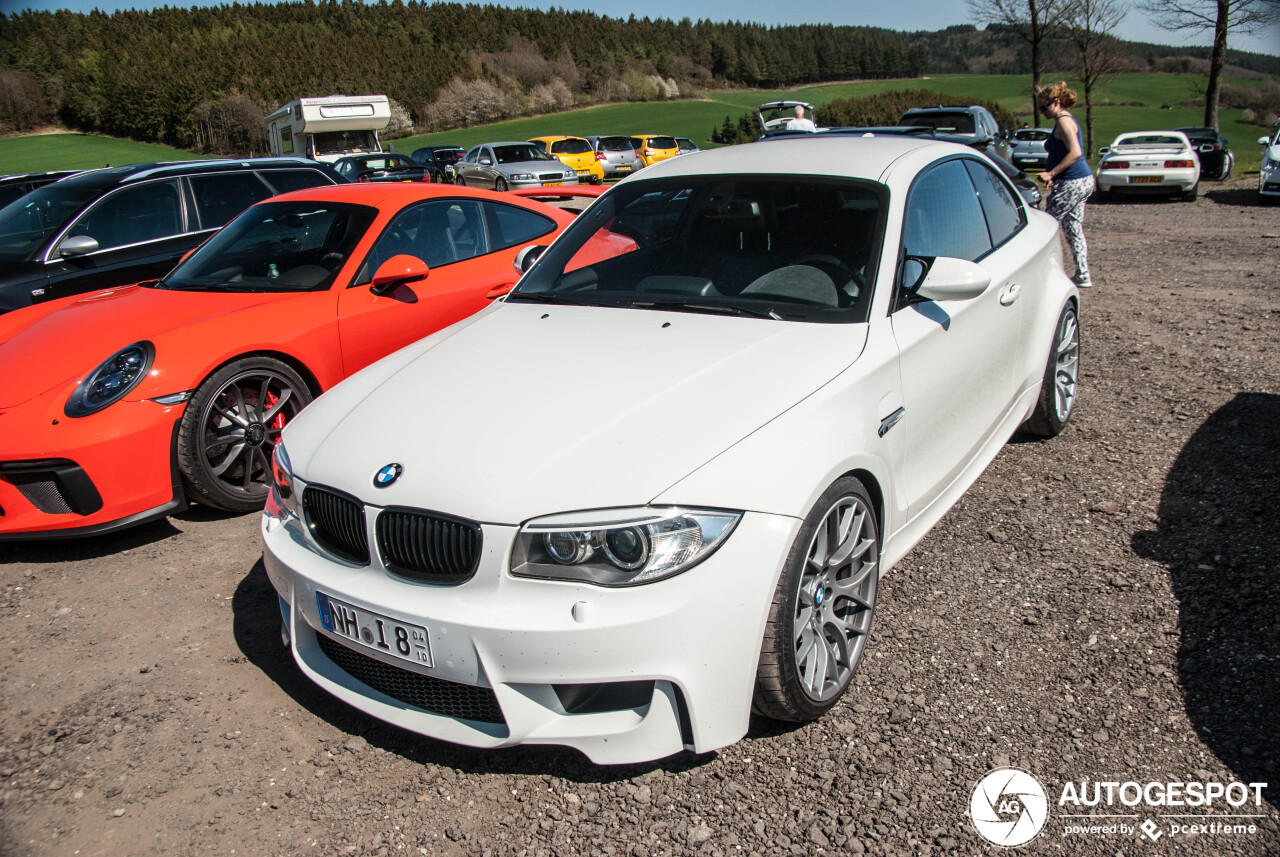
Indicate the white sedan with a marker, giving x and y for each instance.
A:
(1269, 175)
(655, 487)
(1149, 161)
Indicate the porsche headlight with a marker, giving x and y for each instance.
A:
(282, 479)
(112, 380)
(622, 547)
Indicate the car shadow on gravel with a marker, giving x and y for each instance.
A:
(1219, 535)
(1241, 196)
(256, 626)
(62, 549)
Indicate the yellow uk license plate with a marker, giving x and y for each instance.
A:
(551, 184)
(1146, 179)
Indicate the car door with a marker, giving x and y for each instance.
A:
(468, 268)
(956, 357)
(140, 231)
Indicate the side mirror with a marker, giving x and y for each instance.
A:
(948, 279)
(1264, 141)
(525, 258)
(396, 271)
(485, 162)
(78, 245)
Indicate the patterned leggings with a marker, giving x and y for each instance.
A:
(1066, 204)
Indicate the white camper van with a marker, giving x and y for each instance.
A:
(329, 127)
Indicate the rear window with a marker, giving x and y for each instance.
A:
(286, 180)
(614, 144)
(1032, 135)
(662, 143)
(959, 123)
(570, 147)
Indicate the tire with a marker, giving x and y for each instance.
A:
(1190, 195)
(821, 615)
(500, 185)
(1061, 379)
(225, 439)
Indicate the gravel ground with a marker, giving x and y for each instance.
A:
(1099, 607)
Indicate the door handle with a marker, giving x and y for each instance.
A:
(1010, 294)
(499, 290)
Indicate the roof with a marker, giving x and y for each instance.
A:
(111, 176)
(838, 156)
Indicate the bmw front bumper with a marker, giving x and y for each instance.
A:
(664, 666)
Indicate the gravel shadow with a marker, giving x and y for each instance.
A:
(256, 626)
(63, 549)
(1241, 196)
(1219, 535)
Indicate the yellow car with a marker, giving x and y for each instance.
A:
(575, 153)
(654, 147)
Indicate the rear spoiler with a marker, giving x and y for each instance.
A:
(558, 192)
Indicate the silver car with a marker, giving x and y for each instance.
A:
(513, 164)
(620, 158)
(1026, 148)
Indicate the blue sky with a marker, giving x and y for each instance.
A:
(900, 15)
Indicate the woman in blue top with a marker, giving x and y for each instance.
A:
(1066, 173)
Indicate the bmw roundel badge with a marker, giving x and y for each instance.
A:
(387, 475)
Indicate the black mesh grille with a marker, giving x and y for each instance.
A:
(44, 493)
(337, 522)
(550, 177)
(428, 547)
(421, 691)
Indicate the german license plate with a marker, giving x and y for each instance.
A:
(375, 631)
(551, 184)
(1146, 179)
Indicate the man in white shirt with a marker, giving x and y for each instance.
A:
(800, 123)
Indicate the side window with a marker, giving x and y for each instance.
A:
(943, 215)
(473, 156)
(509, 225)
(145, 212)
(286, 141)
(286, 180)
(1002, 211)
(439, 233)
(221, 197)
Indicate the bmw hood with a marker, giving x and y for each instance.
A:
(530, 410)
(45, 345)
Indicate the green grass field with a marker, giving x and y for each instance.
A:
(1130, 102)
(78, 152)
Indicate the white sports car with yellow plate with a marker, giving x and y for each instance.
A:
(1162, 162)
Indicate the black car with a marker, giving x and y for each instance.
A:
(385, 167)
(1216, 159)
(440, 158)
(12, 187)
(121, 225)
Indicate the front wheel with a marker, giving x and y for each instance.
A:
(822, 609)
(500, 185)
(1061, 378)
(229, 431)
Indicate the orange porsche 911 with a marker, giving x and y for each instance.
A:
(119, 406)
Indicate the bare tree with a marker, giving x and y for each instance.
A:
(1218, 17)
(1032, 20)
(1088, 24)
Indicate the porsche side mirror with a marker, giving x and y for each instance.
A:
(78, 245)
(525, 258)
(397, 271)
(950, 279)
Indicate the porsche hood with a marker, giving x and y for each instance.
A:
(530, 410)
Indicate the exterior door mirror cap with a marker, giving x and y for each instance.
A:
(78, 245)
(397, 271)
(525, 258)
(947, 279)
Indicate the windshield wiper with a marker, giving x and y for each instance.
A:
(545, 298)
(695, 306)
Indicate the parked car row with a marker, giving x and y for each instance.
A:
(592, 159)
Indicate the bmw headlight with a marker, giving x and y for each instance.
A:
(282, 479)
(522, 177)
(621, 547)
(1268, 164)
(112, 380)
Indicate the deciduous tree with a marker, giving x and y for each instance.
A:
(1088, 25)
(1033, 21)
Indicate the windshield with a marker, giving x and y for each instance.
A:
(276, 247)
(520, 153)
(27, 222)
(337, 142)
(662, 143)
(793, 248)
